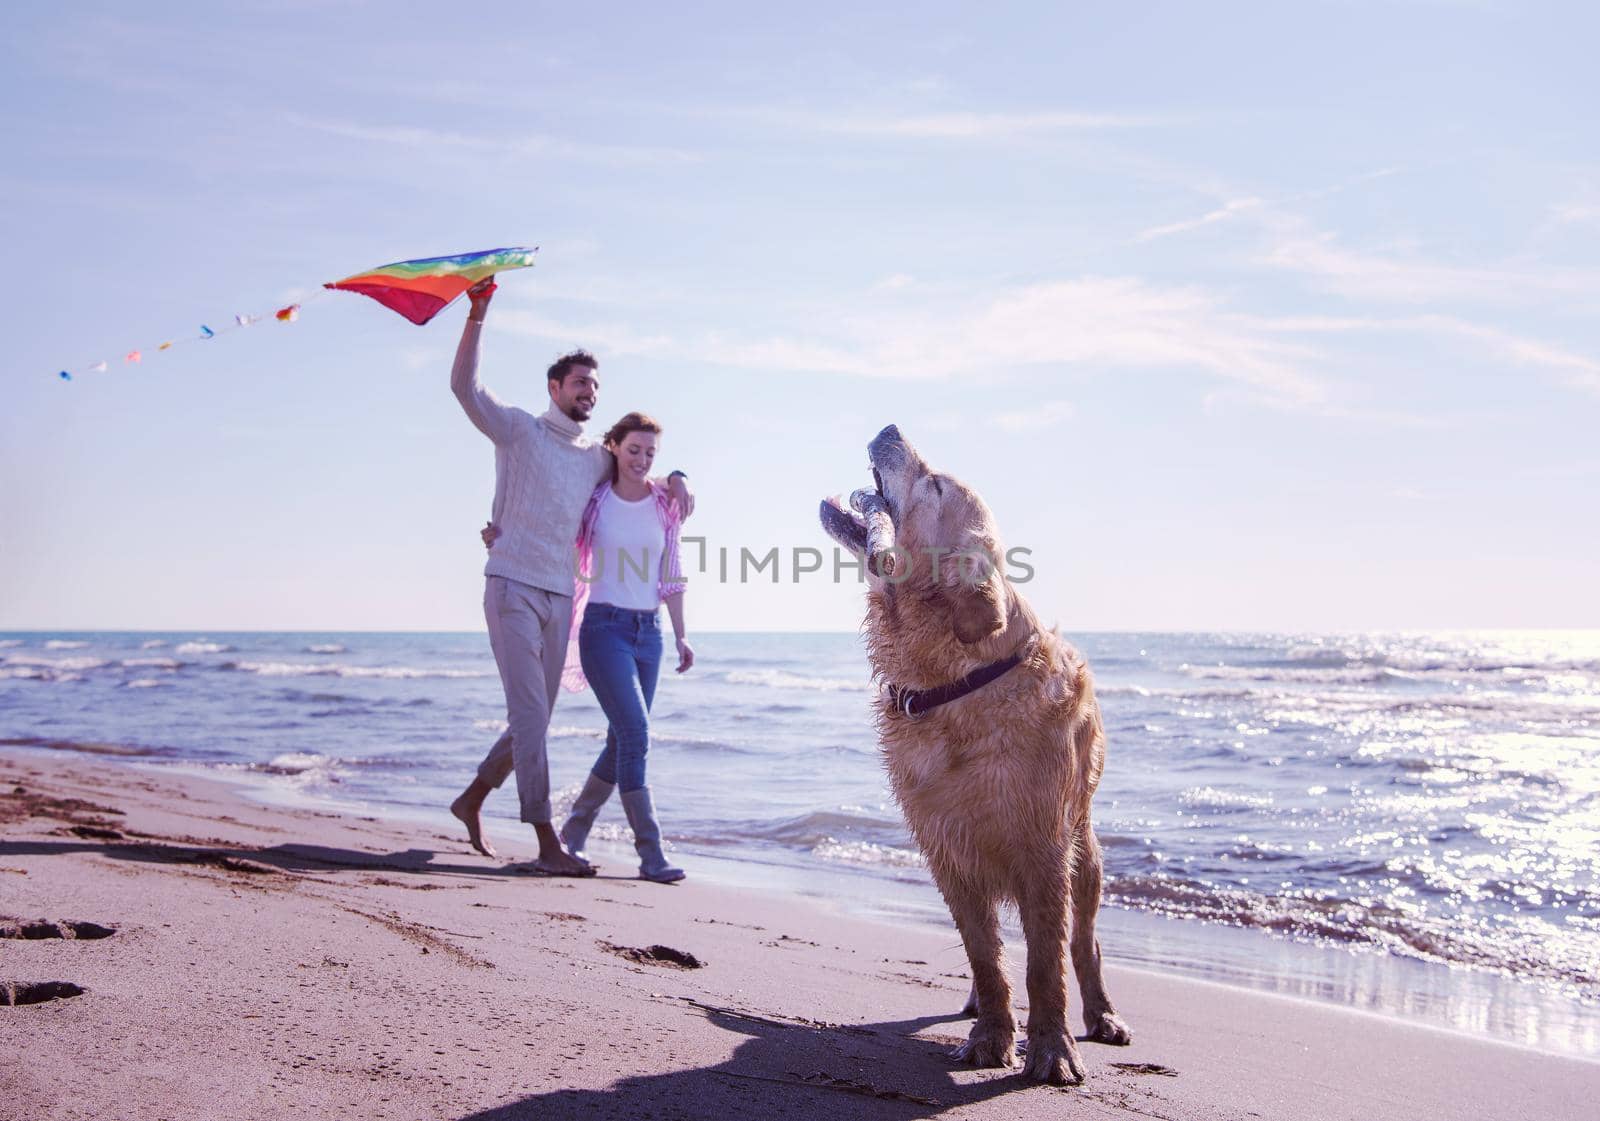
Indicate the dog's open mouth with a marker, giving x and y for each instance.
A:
(845, 526)
(864, 527)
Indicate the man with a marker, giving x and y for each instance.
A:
(545, 472)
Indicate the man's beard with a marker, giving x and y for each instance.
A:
(578, 413)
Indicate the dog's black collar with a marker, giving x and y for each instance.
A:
(919, 702)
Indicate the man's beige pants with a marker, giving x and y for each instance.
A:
(528, 629)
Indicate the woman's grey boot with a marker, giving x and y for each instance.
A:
(575, 833)
(647, 837)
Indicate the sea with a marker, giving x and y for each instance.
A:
(1404, 824)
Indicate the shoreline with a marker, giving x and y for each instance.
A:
(1473, 1003)
(339, 965)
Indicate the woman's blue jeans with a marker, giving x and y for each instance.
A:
(621, 653)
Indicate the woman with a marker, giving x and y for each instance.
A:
(628, 566)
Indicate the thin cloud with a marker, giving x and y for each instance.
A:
(1045, 414)
(1292, 243)
(1232, 208)
(1575, 214)
(1227, 210)
(607, 338)
(1093, 322)
(1361, 274)
(1575, 370)
(979, 126)
(524, 144)
(956, 125)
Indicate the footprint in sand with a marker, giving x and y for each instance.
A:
(95, 833)
(655, 955)
(1147, 1068)
(13, 993)
(53, 928)
(36, 992)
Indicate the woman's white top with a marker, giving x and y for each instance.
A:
(628, 542)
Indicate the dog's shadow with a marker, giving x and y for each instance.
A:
(870, 1071)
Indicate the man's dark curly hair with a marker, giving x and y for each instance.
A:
(568, 362)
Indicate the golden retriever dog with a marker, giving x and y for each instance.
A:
(993, 744)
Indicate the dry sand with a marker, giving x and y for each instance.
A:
(290, 963)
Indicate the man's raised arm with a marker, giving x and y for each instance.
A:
(483, 408)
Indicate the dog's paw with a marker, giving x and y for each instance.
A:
(1108, 1027)
(989, 1045)
(1052, 1057)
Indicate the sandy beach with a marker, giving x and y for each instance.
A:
(270, 962)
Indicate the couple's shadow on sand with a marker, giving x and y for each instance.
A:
(290, 858)
(781, 1068)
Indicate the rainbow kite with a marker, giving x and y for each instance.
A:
(418, 290)
(421, 289)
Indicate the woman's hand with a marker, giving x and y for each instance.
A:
(685, 655)
(489, 533)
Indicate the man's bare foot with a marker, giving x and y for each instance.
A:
(468, 809)
(554, 859)
(561, 863)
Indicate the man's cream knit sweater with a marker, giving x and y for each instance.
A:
(544, 472)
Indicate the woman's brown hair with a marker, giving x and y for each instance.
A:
(620, 431)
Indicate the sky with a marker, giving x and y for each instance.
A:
(1240, 316)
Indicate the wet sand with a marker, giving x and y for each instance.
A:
(266, 962)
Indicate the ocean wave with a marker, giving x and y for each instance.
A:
(324, 669)
(340, 712)
(1435, 712)
(64, 644)
(1210, 798)
(807, 831)
(745, 712)
(1325, 675)
(1280, 702)
(152, 644)
(152, 663)
(203, 648)
(72, 664)
(1195, 693)
(574, 731)
(869, 853)
(779, 679)
(306, 766)
(497, 726)
(701, 742)
(301, 696)
(1319, 655)
(1524, 946)
(145, 683)
(86, 747)
(8, 643)
(1439, 660)
(326, 648)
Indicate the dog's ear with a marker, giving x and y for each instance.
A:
(972, 589)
